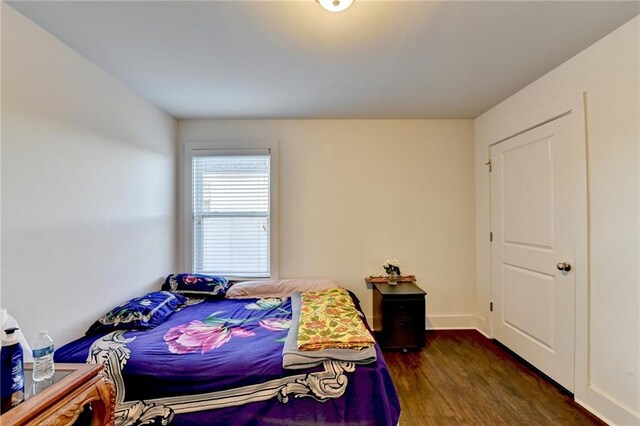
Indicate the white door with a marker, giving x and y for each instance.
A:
(533, 193)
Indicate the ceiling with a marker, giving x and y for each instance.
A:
(292, 59)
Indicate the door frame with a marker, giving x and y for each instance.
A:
(576, 108)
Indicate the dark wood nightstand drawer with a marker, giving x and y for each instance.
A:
(399, 316)
(403, 324)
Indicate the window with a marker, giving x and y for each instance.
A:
(229, 204)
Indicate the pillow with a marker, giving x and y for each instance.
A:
(141, 313)
(277, 288)
(196, 284)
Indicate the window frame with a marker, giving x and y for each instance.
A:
(200, 149)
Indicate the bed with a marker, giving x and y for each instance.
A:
(219, 361)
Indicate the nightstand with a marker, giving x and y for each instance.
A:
(399, 315)
(61, 399)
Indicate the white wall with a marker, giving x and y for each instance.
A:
(88, 186)
(354, 193)
(1, 17)
(608, 323)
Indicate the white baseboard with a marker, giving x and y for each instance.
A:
(451, 322)
(481, 331)
(605, 408)
(448, 322)
(592, 410)
(483, 326)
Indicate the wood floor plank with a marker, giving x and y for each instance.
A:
(463, 378)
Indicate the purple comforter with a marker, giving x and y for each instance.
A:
(219, 361)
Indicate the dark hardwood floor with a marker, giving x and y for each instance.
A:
(463, 378)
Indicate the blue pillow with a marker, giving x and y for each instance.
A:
(141, 313)
(196, 284)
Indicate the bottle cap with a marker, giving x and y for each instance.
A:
(10, 337)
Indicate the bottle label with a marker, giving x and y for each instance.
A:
(37, 353)
(17, 372)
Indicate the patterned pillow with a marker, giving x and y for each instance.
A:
(196, 284)
(140, 313)
(277, 288)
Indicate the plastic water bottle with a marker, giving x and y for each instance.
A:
(43, 367)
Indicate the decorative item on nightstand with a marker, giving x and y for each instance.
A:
(392, 268)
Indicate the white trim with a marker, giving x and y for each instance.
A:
(484, 326)
(233, 148)
(479, 330)
(451, 322)
(534, 115)
(586, 394)
(228, 152)
(533, 127)
(617, 414)
(592, 411)
(447, 322)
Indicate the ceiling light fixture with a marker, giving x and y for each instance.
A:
(335, 5)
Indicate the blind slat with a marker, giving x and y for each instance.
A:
(231, 220)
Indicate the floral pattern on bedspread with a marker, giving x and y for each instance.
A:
(226, 368)
(214, 331)
(265, 304)
(201, 336)
(275, 324)
(329, 319)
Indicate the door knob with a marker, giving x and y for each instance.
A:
(564, 266)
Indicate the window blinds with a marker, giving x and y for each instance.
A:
(231, 220)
